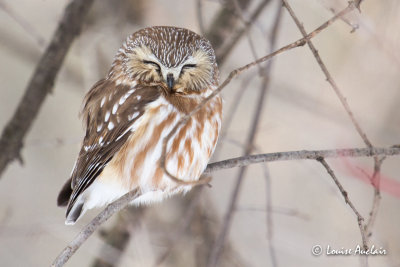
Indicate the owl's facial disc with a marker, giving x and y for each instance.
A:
(192, 75)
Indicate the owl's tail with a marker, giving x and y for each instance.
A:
(65, 194)
(75, 212)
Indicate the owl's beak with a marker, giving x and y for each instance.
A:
(170, 80)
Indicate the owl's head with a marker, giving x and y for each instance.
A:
(178, 59)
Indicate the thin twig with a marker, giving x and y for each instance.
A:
(375, 181)
(327, 74)
(42, 81)
(353, 26)
(360, 219)
(299, 155)
(88, 230)
(269, 216)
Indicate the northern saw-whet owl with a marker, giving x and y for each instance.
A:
(159, 75)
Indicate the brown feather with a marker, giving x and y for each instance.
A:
(102, 109)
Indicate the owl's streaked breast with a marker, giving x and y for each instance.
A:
(137, 164)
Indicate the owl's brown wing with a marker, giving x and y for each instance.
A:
(110, 111)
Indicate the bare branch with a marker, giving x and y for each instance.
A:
(298, 155)
(360, 219)
(327, 74)
(88, 230)
(200, 16)
(42, 81)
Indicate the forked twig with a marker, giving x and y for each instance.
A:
(300, 155)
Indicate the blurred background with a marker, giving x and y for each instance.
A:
(283, 208)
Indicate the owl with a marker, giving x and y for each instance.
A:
(159, 75)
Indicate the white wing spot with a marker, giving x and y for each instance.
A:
(122, 100)
(110, 125)
(134, 115)
(99, 127)
(115, 107)
(101, 140)
(127, 130)
(107, 116)
(125, 97)
(103, 100)
(138, 97)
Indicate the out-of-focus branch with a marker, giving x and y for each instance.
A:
(183, 225)
(42, 81)
(205, 229)
(28, 28)
(223, 25)
(200, 20)
(220, 241)
(118, 237)
(224, 50)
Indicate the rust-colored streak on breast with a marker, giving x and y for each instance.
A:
(157, 176)
(153, 141)
(189, 150)
(179, 137)
(198, 133)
